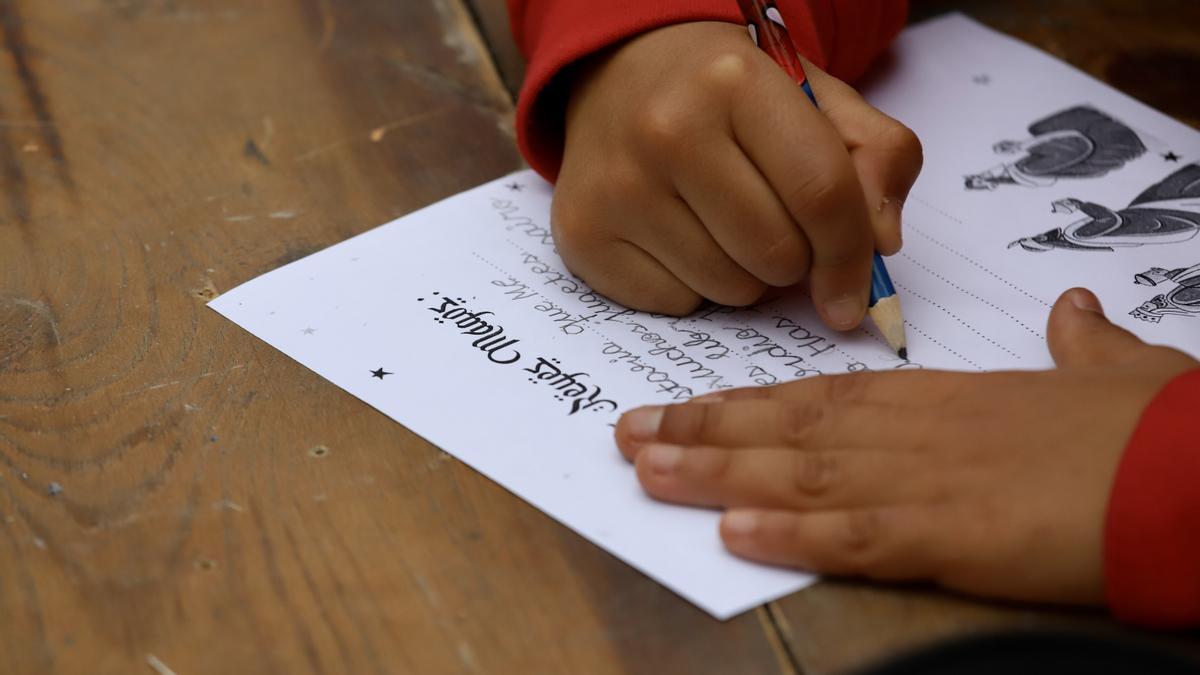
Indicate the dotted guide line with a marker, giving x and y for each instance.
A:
(959, 319)
(925, 335)
(976, 297)
(972, 261)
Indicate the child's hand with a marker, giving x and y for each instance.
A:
(694, 167)
(994, 484)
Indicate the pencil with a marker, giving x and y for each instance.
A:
(766, 27)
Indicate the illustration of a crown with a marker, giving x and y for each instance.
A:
(1151, 310)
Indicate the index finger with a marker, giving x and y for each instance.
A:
(802, 157)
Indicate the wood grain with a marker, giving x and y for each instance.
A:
(173, 491)
(492, 18)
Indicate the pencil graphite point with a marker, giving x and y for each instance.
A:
(887, 317)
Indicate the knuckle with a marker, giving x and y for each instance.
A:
(728, 71)
(901, 139)
(838, 254)
(685, 424)
(819, 192)
(711, 419)
(814, 474)
(785, 261)
(798, 422)
(859, 538)
(664, 124)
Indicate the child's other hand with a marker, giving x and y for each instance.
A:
(994, 484)
(695, 168)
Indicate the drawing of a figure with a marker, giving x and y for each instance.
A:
(1165, 213)
(1080, 142)
(1183, 300)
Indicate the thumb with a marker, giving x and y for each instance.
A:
(886, 154)
(1080, 335)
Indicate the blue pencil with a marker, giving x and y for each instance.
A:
(768, 32)
(884, 308)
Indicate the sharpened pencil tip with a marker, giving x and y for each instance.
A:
(886, 315)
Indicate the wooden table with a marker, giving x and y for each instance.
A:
(174, 494)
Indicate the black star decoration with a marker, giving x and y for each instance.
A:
(381, 373)
(1171, 157)
(515, 187)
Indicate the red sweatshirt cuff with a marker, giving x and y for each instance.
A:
(1152, 536)
(841, 36)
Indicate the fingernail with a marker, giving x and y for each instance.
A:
(845, 312)
(707, 398)
(662, 459)
(740, 523)
(642, 423)
(1086, 300)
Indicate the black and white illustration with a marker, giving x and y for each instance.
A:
(1167, 212)
(1079, 142)
(1182, 298)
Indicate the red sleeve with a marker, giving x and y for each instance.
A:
(840, 36)
(1152, 534)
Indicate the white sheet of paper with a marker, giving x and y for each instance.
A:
(460, 322)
